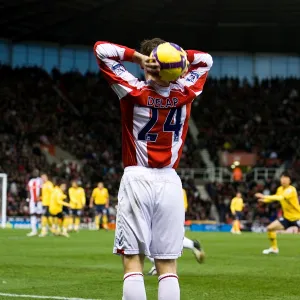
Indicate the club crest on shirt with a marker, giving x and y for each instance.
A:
(193, 76)
(118, 69)
(288, 191)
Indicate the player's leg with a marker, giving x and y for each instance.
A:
(133, 285)
(168, 286)
(59, 222)
(44, 221)
(153, 270)
(33, 218)
(71, 225)
(272, 235)
(133, 231)
(98, 216)
(167, 233)
(54, 222)
(234, 227)
(105, 219)
(49, 218)
(65, 222)
(195, 246)
(77, 216)
(33, 224)
(238, 222)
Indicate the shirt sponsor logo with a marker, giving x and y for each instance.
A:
(193, 76)
(118, 69)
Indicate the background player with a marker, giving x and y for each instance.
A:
(236, 207)
(187, 243)
(150, 215)
(60, 224)
(77, 203)
(287, 196)
(100, 197)
(35, 205)
(47, 190)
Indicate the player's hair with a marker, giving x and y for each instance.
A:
(35, 173)
(60, 181)
(148, 45)
(286, 174)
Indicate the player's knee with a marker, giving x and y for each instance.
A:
(133, 263)
(164, 266)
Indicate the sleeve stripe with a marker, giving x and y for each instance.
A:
(109, 58)
(105, 51)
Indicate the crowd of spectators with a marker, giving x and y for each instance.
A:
(81, 115)
(263, 117)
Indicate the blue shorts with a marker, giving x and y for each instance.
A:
(46, 212)
(287, 223)
(238, 215)
(76, 212)
(100, 209)
(66, 211)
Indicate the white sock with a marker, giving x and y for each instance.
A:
(134, 287)
(168, 287)
(33, 223)
(151, 259)
(187, 243)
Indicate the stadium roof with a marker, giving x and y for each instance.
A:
(214, 25)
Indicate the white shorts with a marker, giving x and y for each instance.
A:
(35, 207)
(150, 215)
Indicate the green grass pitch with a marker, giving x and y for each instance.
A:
(83, 266)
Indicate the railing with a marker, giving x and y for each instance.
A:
(209, 174)
(264, 173)
(225, 174)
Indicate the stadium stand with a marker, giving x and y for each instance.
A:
(34, 114)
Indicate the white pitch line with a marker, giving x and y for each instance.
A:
(42, 297)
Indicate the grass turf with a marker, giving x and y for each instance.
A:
(83, 266)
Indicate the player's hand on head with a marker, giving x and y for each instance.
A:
(152, 66)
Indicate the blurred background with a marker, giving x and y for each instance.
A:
(58, 114)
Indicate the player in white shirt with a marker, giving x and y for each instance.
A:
(155, 115)
(35, 205)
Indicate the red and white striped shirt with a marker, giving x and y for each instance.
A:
(34, 188)
(154, 118)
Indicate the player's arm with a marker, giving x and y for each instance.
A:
(107, 200)
(61, 201)
(28, 193)
(83, 199)
(232, 206)
(109, 58)
(70, 195)
(199, 65)
(185, 201)
(269, 199)
(92, 199)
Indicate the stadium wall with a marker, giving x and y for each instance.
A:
(79, 58)
(204, 226)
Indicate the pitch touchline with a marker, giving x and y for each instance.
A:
(43, 297)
